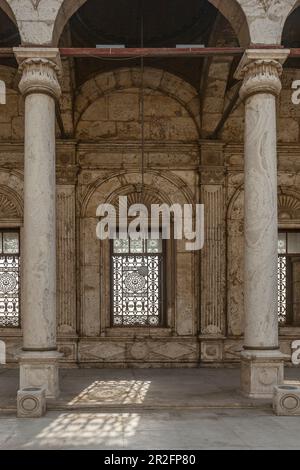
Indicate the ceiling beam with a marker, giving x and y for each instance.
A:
(151, 52)
(165, 52)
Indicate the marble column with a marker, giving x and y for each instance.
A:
(39, 84)
(262, 365)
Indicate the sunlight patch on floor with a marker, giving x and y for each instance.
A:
(113, 391)
(86, 429)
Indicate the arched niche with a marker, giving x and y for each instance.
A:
(160, 187)
(103, 99)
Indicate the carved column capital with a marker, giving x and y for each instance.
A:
(261, 76)
(41, 71)
(260, 71)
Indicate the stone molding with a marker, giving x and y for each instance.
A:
(213, 176)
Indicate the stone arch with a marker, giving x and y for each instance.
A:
(233, 11)
(5, 6)
(156, 80)
(230, 9)
(160, 187)
(10, 205)
(65, 12)
(288, 204)
(11, 195)
(287, 10)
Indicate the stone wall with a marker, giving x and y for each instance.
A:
(101, 159)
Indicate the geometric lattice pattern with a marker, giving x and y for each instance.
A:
(288, 275)
(9, 280)
(137, 279)
(282, 289)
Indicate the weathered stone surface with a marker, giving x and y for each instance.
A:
(104, 160)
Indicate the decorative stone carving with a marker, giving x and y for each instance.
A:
(66, 260)
(261, 371)
(211, 351)
(261, 76)
(40, 76)
(212, 261)
(35, 3)
(146, 197)
(286, 400)
(8, 210)
(288, 206)
(212, 176)
(31, 403)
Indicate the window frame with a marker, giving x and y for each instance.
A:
(11, 228)
(289, 288)
(163, 290)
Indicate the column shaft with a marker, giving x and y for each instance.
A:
(262, 364)
(39, 249)
(261, 223)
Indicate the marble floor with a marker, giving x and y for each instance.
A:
(215, 429)
(148, 409)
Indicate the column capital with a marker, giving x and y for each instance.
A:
(260, 70)
(41, 70)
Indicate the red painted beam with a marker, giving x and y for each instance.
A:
(295, 53)
(151, 52)
(7, 52)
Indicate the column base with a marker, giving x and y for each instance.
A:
(40, 370)
(261, 371)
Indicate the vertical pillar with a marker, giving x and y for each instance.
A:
(262, 364)
(213, 255)
(40, 87)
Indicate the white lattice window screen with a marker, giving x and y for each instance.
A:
(9, 279)
(137, 269)
(288, 251)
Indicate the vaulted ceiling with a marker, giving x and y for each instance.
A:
(166, 24)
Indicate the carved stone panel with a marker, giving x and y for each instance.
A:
(213, 261)
(66, 260)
